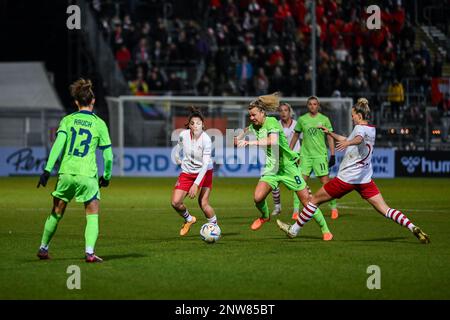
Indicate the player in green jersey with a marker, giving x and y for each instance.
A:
(314, 153)
(281, 161)
(78, 136)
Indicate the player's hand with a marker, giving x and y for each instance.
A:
(193, 191)
(242, 143)
(43, 179)
(102, 182)
(332, 161)
(342, 145)
(324, 129)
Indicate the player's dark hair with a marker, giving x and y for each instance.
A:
(81, 91)
(362, 107)
(269, 102)
(195, 113)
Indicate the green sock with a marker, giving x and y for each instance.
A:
(51, 224)
(318, 217)
(333, 204)
(296, 203)
(91, 232)
(262, 206)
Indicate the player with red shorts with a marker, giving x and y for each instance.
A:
(355, 173)
(197, 170)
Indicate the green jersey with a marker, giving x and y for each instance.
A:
(313, 144)
(84, 133)
(279, 156)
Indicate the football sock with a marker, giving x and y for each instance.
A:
(333, 204)
(400, 218)
(276, 197)
(212, 220)
(304, 216)
(296, 203)
(187, 217)
(319, 218)
(262, 206)
(51, 224)
(91, 232)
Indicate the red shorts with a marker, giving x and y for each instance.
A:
(338, 188)
(186, 180)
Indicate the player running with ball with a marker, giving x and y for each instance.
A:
(197, 170)
(281, 161)
(78, 136)
(355, 173)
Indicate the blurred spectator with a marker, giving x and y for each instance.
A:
(244, 73)
(444, 114)
(139, 86)
(261, 82)
(396, 97)
(123, 57)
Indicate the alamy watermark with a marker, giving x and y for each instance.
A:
(74, 280)
(374, 280)
(374, 20)
(74, 19)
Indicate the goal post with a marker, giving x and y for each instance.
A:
(148, 121)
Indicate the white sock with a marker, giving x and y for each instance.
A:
(295, 228)
(278, 207)
(187, 217)
(43, 246)
(212, 220)
(89, 250)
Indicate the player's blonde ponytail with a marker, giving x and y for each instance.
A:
(266, 103)
(362, 107)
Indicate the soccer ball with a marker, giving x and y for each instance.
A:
(210, 232)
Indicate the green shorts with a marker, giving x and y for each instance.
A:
(290, 176)
(84, 189)
(319, 165)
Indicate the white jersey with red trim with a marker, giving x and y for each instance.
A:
(194, 151)
(289, 133)
(356, 166)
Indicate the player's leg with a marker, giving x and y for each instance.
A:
(276, 201)
(333, 203)
(203, 202)
(50, 226)
(64, 192)
(311, 210)
(178, 196)
(263, 188)
(380, 205)
(92, 229)
(180, 191)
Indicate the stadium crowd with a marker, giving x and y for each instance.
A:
(253, 47)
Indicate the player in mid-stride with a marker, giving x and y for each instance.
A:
(78, 136)
(281, 162)
(197, 170)
(355, 173)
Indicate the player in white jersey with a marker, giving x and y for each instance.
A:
(355, 173)
(197, 170)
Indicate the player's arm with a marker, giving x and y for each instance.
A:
(55, 152)
(105, 145)
(270, 140)
(205, 162)
(334, 136)
(177, 151)
(238, 139)
(294, 140)
(343, 144)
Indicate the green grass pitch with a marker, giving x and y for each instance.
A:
(145, 258)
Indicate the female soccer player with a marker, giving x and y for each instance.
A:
(288, 124)
(355, 173)
(314, 154)
(281, 161)
(78, 136)
(197, 170)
